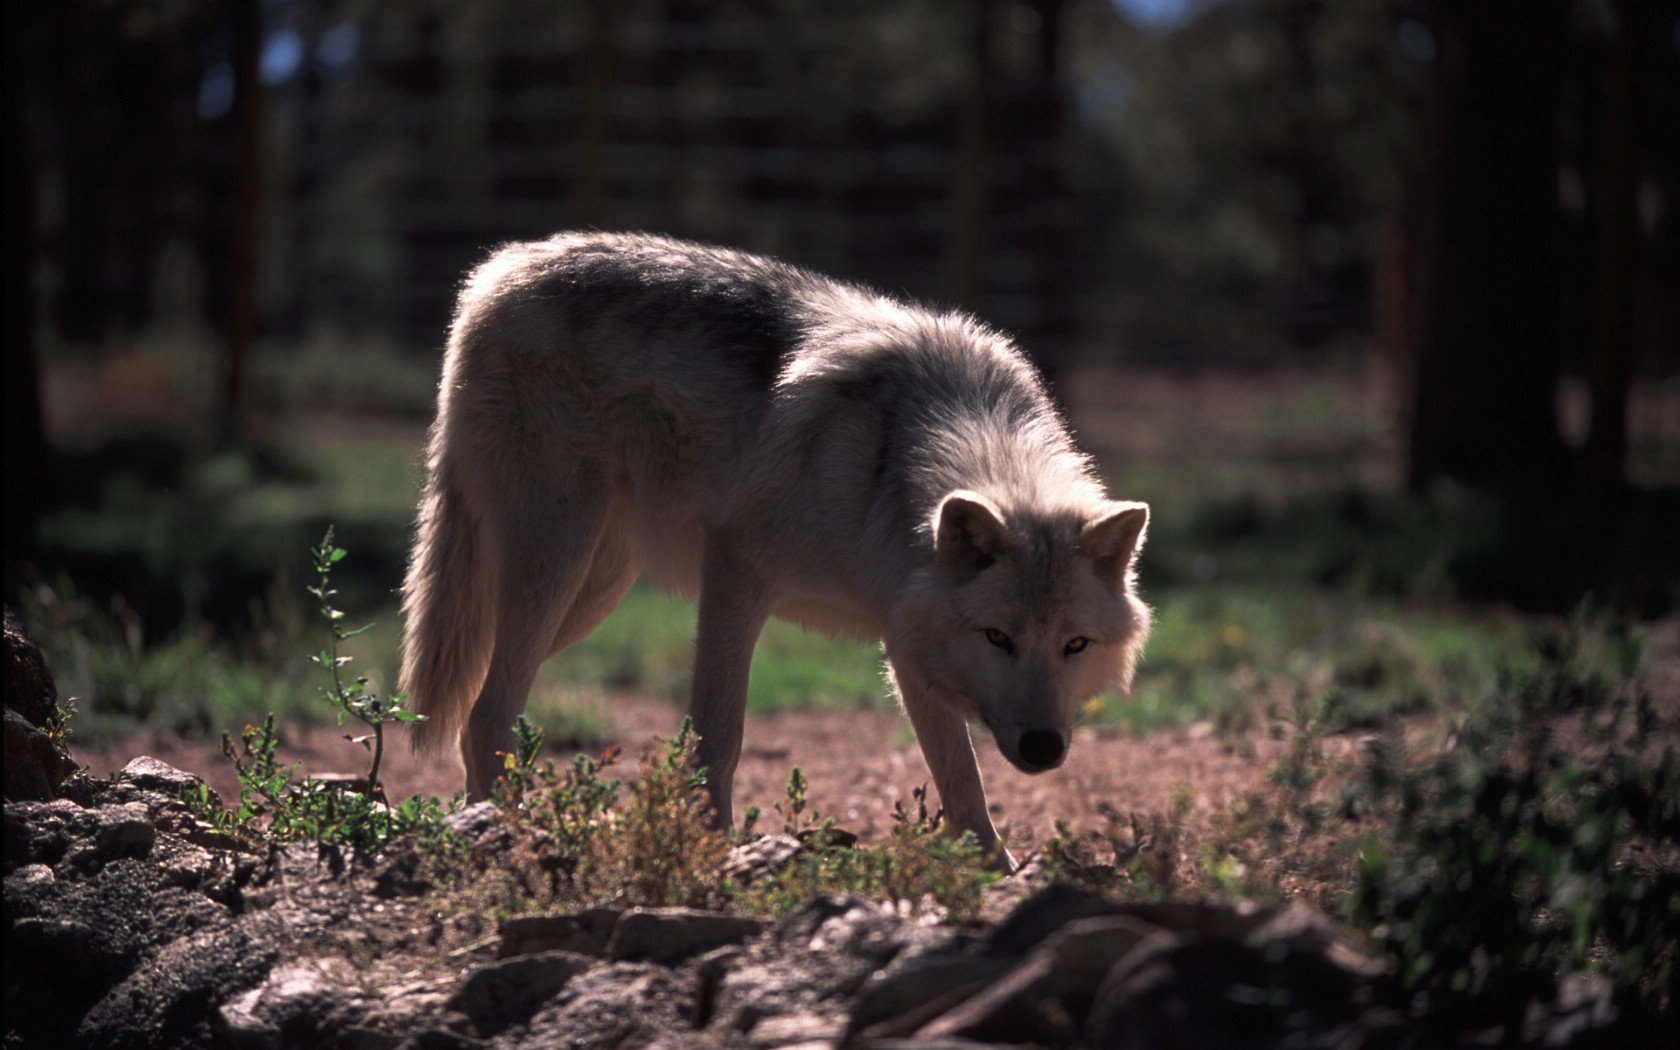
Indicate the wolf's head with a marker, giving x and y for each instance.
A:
(1022, 617)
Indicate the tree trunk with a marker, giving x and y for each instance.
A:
(245, 17)
(971, 219)
(26, 449)
(1487, 353)
(1052, 326)
(1615, 299)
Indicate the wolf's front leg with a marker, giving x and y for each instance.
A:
(943, 734)
(733, 607)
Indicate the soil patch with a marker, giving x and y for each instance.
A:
(859, 766)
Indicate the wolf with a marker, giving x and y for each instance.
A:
(770, 442)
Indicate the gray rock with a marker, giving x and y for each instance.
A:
(34, 766)
(31, 880)
(796, 1030)
(39, 832)
(501, 993)
(29, 686)
(255, 1019)
(896, 1003)
(620, 1005)
(475, 821)
(110, 833)
(151, 774)
(321, 1003)
(586, 933)
(170, 1002)
(1041, 998)
(760, 859)
(667, 935)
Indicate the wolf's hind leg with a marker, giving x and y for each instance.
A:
(611, 574)
(734, 605)
(543, 567)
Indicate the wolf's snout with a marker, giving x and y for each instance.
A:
(1042, 749)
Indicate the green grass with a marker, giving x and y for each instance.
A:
(647, 645)
(1223, 654)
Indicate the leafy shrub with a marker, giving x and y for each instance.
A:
(580, 839)
(920, 868)
(276, 807)
(574, 845)
(1515, 858)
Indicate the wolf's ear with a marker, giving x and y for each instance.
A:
(969, 533)
(1112, 540)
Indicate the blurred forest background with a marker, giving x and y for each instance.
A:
(1434, 239)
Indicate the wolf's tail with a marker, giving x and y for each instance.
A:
(449, 611)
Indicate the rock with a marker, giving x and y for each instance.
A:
(27, 881)
(586, 933)
(255, 1019)
(399, 874)
(475, 822)
(35, 765)
(620, 1004)
(1200, 991)
(895, 1004)
(501, 993)
(1043, 914)
(111, 833)
(437, 1038)
(30, 690)
(150, 774)
(871, 933)
(1041, 999)
(795, 1030)
(169, 1002)
(817, 960)
(38, 832)
(667, 935)
(761, 859)
(319, 1002)
(119, 932)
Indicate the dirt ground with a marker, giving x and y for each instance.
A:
(858, 765)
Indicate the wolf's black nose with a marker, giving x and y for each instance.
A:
(1042, 748)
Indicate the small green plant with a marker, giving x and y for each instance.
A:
(921, 867)
(519, 767)
(352, 699)
(264, 785)
(1134, 856)
(58, 728)
(275, 806)
(576, 845)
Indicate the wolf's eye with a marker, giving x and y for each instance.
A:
(999, 639)
(1076, 645)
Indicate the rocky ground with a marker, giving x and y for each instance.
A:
(129, 923)
(128, 926)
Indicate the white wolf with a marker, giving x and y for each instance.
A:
(777, 444)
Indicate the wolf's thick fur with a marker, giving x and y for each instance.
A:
(776, 444)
